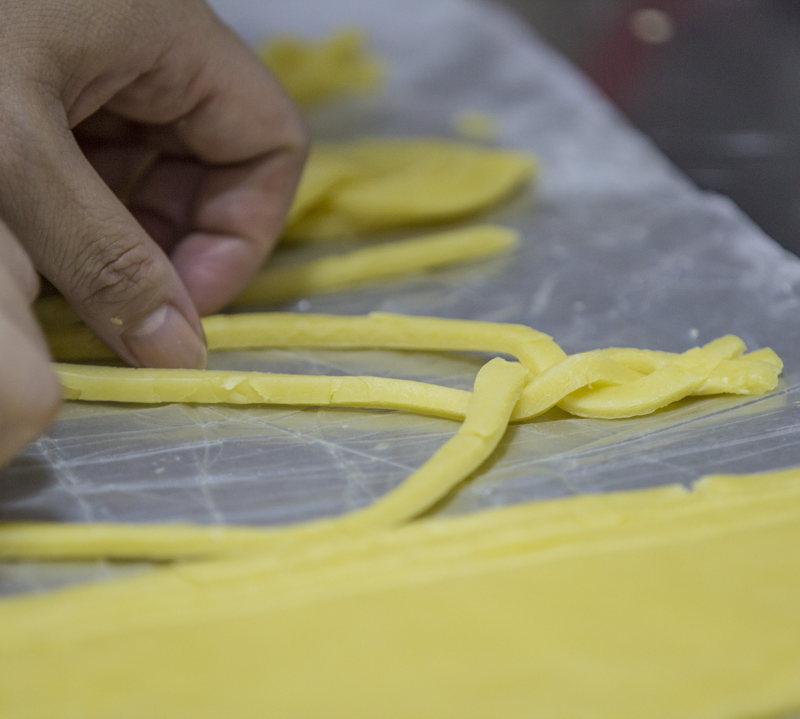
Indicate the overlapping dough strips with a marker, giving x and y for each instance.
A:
(377, 184)
(612, 383)
(488, 408)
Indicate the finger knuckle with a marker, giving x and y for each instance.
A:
(114, 273)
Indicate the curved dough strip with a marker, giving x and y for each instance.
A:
(667, 384)
(378, 330)
(590, 384)
(496, 391)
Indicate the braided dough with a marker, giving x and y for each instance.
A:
(606, 384)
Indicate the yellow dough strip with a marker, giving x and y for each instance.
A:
(677, 376)
(370, 265)
(553, 374)
(516, 608)
(378, 330)
(496, 391)
(590, 384)
(665, 385)
(90, 383)
(752, 373)
(366, 265)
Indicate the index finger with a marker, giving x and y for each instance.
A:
(252, 143)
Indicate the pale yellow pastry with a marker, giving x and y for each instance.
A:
(385, 183)
(313, 71)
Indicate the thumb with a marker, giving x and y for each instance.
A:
(85, 242)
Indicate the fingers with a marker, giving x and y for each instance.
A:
(253, 144)
(29, 390)
(85, 242)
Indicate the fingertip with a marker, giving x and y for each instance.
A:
(30, 394)
(166, 338)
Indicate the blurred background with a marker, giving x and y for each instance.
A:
(715, 83)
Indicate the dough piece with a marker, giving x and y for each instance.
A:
(753, 373)
(618, 383)
(665, 385)
(606, 384)
(623, 390)
(680, 605)
(397, 183)
(378, 330)
(90, 383)
(314, 71)
(374, 264)
(489, 406)
(335, 272)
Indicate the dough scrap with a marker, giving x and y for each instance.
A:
(315, 71)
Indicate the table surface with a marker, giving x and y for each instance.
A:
(619, 249)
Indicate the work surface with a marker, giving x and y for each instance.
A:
(618, 250)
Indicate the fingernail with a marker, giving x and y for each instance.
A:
(166, 339)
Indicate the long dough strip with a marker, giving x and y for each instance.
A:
(366, 265)
(541, 523)
(496, 391)
(674, 378)
(588, 384)
(370, 265)
(753, 373)
(154, 386)
(378, 330)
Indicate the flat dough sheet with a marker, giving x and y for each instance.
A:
(618, 249)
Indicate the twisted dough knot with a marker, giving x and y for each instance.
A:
(624, 382)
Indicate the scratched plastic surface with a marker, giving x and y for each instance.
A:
(618, 250)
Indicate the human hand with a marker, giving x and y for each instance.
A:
(158, 104)
(29, 391)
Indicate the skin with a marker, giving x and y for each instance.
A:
(148, 162)
(29, 390)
